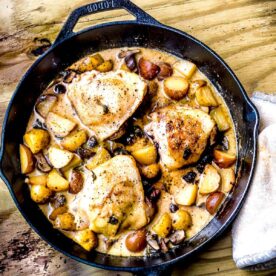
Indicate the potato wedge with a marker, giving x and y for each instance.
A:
(181, 220)
(163, 226)
(224, 159)
(209, 180)
(26, 159)
(227, 180)
(86, 239)
(40, 194)
(37, 139)
(151, 170)
(58, 211)
(59, 158)
(176, 87)
(59, 125)
(101, 156)
(185, 68)
(38, 180)
(106, 66)
(89, 63)
(145, 156)
(138, 144)
(74, 140)
(56, 182)
(75, 162)
(187, 195)
(44, 104)
(65, 221)
(218, 114)
(205, 97)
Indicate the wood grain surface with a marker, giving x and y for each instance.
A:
(243, 32)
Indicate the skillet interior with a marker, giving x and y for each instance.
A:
(124, 34)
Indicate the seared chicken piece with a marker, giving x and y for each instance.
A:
(104, 101)
(181, 133)
(113, 197)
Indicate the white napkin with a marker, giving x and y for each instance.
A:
(254, 231)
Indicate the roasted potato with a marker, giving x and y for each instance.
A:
(101, 156)
(58, 211)
(181, 220)
(59, 158)
(163, 226)
(187, 196)
(136, 241)
(209, 180)
(176, 87)
(56, 182)
(76, 182)
(151, 170)
(86, 238)
(218, 114)
(74, 140)
(224, 159)
(138, 144)
(59, 125)
(205, 97)
(44, 104)
(26, 159)
(165, 70)
(106, 66)
(38, 180)
(227, 180)
(145, 156)
(89, 63)
(76, 161)
(37, 139)
(65, 221)
(185, 68)
(194, 85)
(213, 202)
(40, 194)
(147, 69)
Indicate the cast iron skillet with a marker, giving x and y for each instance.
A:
(145, 31)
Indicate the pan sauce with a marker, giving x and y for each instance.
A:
(198, 213)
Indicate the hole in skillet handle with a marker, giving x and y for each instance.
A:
(139, 14)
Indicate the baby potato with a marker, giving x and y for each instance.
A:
(209, 180)
(59, 158)
(185, 68)
(176, 87)
(151, 170)
(147, 69)
(181, 220)
(224, 159)
(86, 239)
(56, 182)
(136, 241)
(38, 180)
(26, 159)
(213, 202)
(106, 66)
(58, 211)
(76, 182)
(37, 139)
(40, 194)
(74, 140)
(163, 226)
(218, 114)
(187, 195)
(65, 221)
(205, 97)
(101, 156)
(145, 156)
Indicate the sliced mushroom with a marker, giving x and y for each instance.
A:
(42, 163)
(44, 104)
(152, 242)
(163, 246)
(177, 237)
(126, 53)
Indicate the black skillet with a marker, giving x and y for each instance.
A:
(144, 31)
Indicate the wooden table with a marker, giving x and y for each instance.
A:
(241, 31)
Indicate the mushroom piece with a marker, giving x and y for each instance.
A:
(163, 245)
(129, 56)
(177, 237)
(152, 242)
(42, 163)
(126, 53)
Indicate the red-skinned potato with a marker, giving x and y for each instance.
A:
(147, 69)
(26, 159)
(165, 70)
(224, 159)
(213, 201)
(76, 182)
(176, 87)
(136, 241)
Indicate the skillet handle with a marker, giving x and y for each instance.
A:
(141, 16)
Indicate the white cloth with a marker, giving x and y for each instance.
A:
(254, 231)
